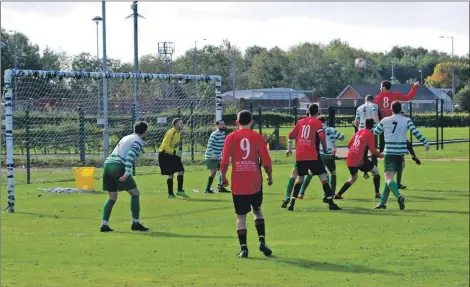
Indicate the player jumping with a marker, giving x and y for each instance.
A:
(307, 157)
(394, 129)
(246, 147)
(357, 159)
(214, 155)
(117, 176)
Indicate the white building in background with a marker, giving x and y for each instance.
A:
(443, 94)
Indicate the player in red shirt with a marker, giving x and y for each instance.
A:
(307, 157)
(246, 147)
(357, 159)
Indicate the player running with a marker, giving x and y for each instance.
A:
(365, 111)
(357, 159)
(214, 155)
(169, 158)
(394, 128)
(117, 176)
(307, 157)
(246, 147)
(328, 158)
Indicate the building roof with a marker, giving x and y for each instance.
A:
(267, 94)
(423, 93)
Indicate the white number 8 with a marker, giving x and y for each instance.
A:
(245, 146)
(386, 103)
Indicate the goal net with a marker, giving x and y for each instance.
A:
(56, 120)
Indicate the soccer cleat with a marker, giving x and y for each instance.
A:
(209, 191)
(171, 196)
(182, 194)
(380, 206)
(136, 226)
(291, 205)
(243, 253)
(300, 196)
(325, 200)
(285, 203)
(334, 207)
(401, 202)
(401, 186)
(106, 228)
(366, 175)
(378, 195)
(224, 190)
(418, 162)
(265, 249)
(339, 196)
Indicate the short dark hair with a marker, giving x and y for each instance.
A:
(396, 107)
(313, 109)
(369, 123)
(218, 122)
(140, 127)
(175, 121)
(369, 98)
(386, 84)
(322, 119)
(244, 117)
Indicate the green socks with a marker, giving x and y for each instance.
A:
(305, 184)
(385, 193)
(332, 182)
(210, 179)
(135, 207)
(108, 207)
(290, 185)
(394, 188)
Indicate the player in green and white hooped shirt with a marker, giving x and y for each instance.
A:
(366, 111)
(213, 156)
(328, 158)
(394, 129)
(117, 176)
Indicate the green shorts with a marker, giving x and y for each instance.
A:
(329, 161)
(212, 164)
(111, 174)
(393, 162)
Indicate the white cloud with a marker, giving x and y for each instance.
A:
(74, 32)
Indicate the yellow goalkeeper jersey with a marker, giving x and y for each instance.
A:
(171, 141)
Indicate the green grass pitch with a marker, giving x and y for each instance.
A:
(54, 240)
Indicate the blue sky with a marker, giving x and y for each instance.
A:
(371, 26)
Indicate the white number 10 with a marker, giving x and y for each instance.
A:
(245, 146)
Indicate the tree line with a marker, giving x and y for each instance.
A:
(325, 69)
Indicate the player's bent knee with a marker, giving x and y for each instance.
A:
(134, 192)
(113, 195)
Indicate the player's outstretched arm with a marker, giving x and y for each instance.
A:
(292, 136)
(338, 135)
(410, 96)
(210, 144)
(371, 146)
(375, 114)
(166, 144)
(265, 159)
(379, 129)
(417, 133)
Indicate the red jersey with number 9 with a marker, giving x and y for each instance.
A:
(246, 148)
(305, 134)
(384, 100)
(357, 147)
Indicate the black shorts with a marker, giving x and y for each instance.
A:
(365, 167)
(169, 163)
(316, 167)
(244, 203)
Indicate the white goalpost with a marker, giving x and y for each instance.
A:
(56, 120)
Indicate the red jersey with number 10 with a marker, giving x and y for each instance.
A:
(384, 100)
(245, 147)
(357, 147)
(305, 134)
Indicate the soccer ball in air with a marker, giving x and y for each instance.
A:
(360, 63)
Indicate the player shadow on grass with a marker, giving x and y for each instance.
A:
(208, 200)
(175, 235)
(51, 215)
(325, 266)
(388, 212)
(448, 191)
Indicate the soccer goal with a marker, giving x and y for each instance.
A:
(56, 120)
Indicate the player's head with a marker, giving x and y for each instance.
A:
(369, 123)
(178, 124)
(313, 110)
(322, 119)
(220, 125)
(396, 107)
(244, 119)
(141, 127)
(369, 98)
(385, 86)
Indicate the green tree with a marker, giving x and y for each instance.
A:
(462, 99)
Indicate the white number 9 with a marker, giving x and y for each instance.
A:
(245, 146)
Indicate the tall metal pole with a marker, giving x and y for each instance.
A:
(453, 79)
(136, 61)
(421, 72)
(234, 77)
(393, 77)
(195, 57)
(97, 44)
(105, 86)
